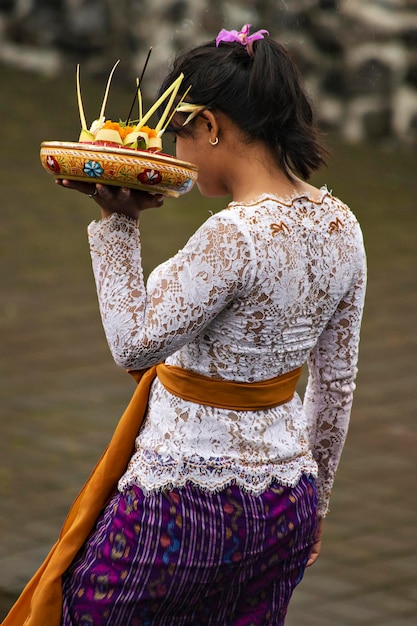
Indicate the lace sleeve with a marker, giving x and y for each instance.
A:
(331, 383)
(144, 325)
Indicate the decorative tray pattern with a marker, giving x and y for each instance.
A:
(110, 165)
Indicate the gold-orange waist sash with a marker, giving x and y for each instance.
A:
(224, 394)
(40, 603)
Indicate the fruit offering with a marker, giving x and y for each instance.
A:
(137, 134)
(126, 153)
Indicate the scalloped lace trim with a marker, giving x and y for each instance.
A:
(153, 472)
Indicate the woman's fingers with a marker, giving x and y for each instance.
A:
(316, 549)
(86, 188)
(113, 199)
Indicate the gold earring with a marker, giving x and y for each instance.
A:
(215, 142)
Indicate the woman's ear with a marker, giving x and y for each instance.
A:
(211, 122)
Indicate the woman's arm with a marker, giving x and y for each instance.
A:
(145, 324)
(332, 372)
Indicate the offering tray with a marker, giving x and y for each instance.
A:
(110, 165)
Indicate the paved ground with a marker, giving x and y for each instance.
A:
(60, 394)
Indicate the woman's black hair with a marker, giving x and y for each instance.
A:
(262, 94)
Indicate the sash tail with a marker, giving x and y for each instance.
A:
(40, 603)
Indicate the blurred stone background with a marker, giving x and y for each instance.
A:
(358, 57)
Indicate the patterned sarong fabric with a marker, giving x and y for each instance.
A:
(189, 556)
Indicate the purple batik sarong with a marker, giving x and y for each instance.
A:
(188, 557)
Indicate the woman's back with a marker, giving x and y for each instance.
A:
(303, 257)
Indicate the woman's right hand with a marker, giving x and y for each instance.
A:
(130, 202)
(316, 549)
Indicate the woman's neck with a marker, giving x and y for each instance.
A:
(255, 174)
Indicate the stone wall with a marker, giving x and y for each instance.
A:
(359, 58)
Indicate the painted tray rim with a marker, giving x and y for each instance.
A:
(140, 154)
(136, 156)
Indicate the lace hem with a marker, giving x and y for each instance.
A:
(155, 474)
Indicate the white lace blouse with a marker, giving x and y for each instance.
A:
(257, 291)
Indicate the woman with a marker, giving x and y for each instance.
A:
(220, 509)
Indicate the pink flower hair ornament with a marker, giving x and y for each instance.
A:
(243, 37)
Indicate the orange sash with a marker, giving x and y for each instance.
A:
(40, 603)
